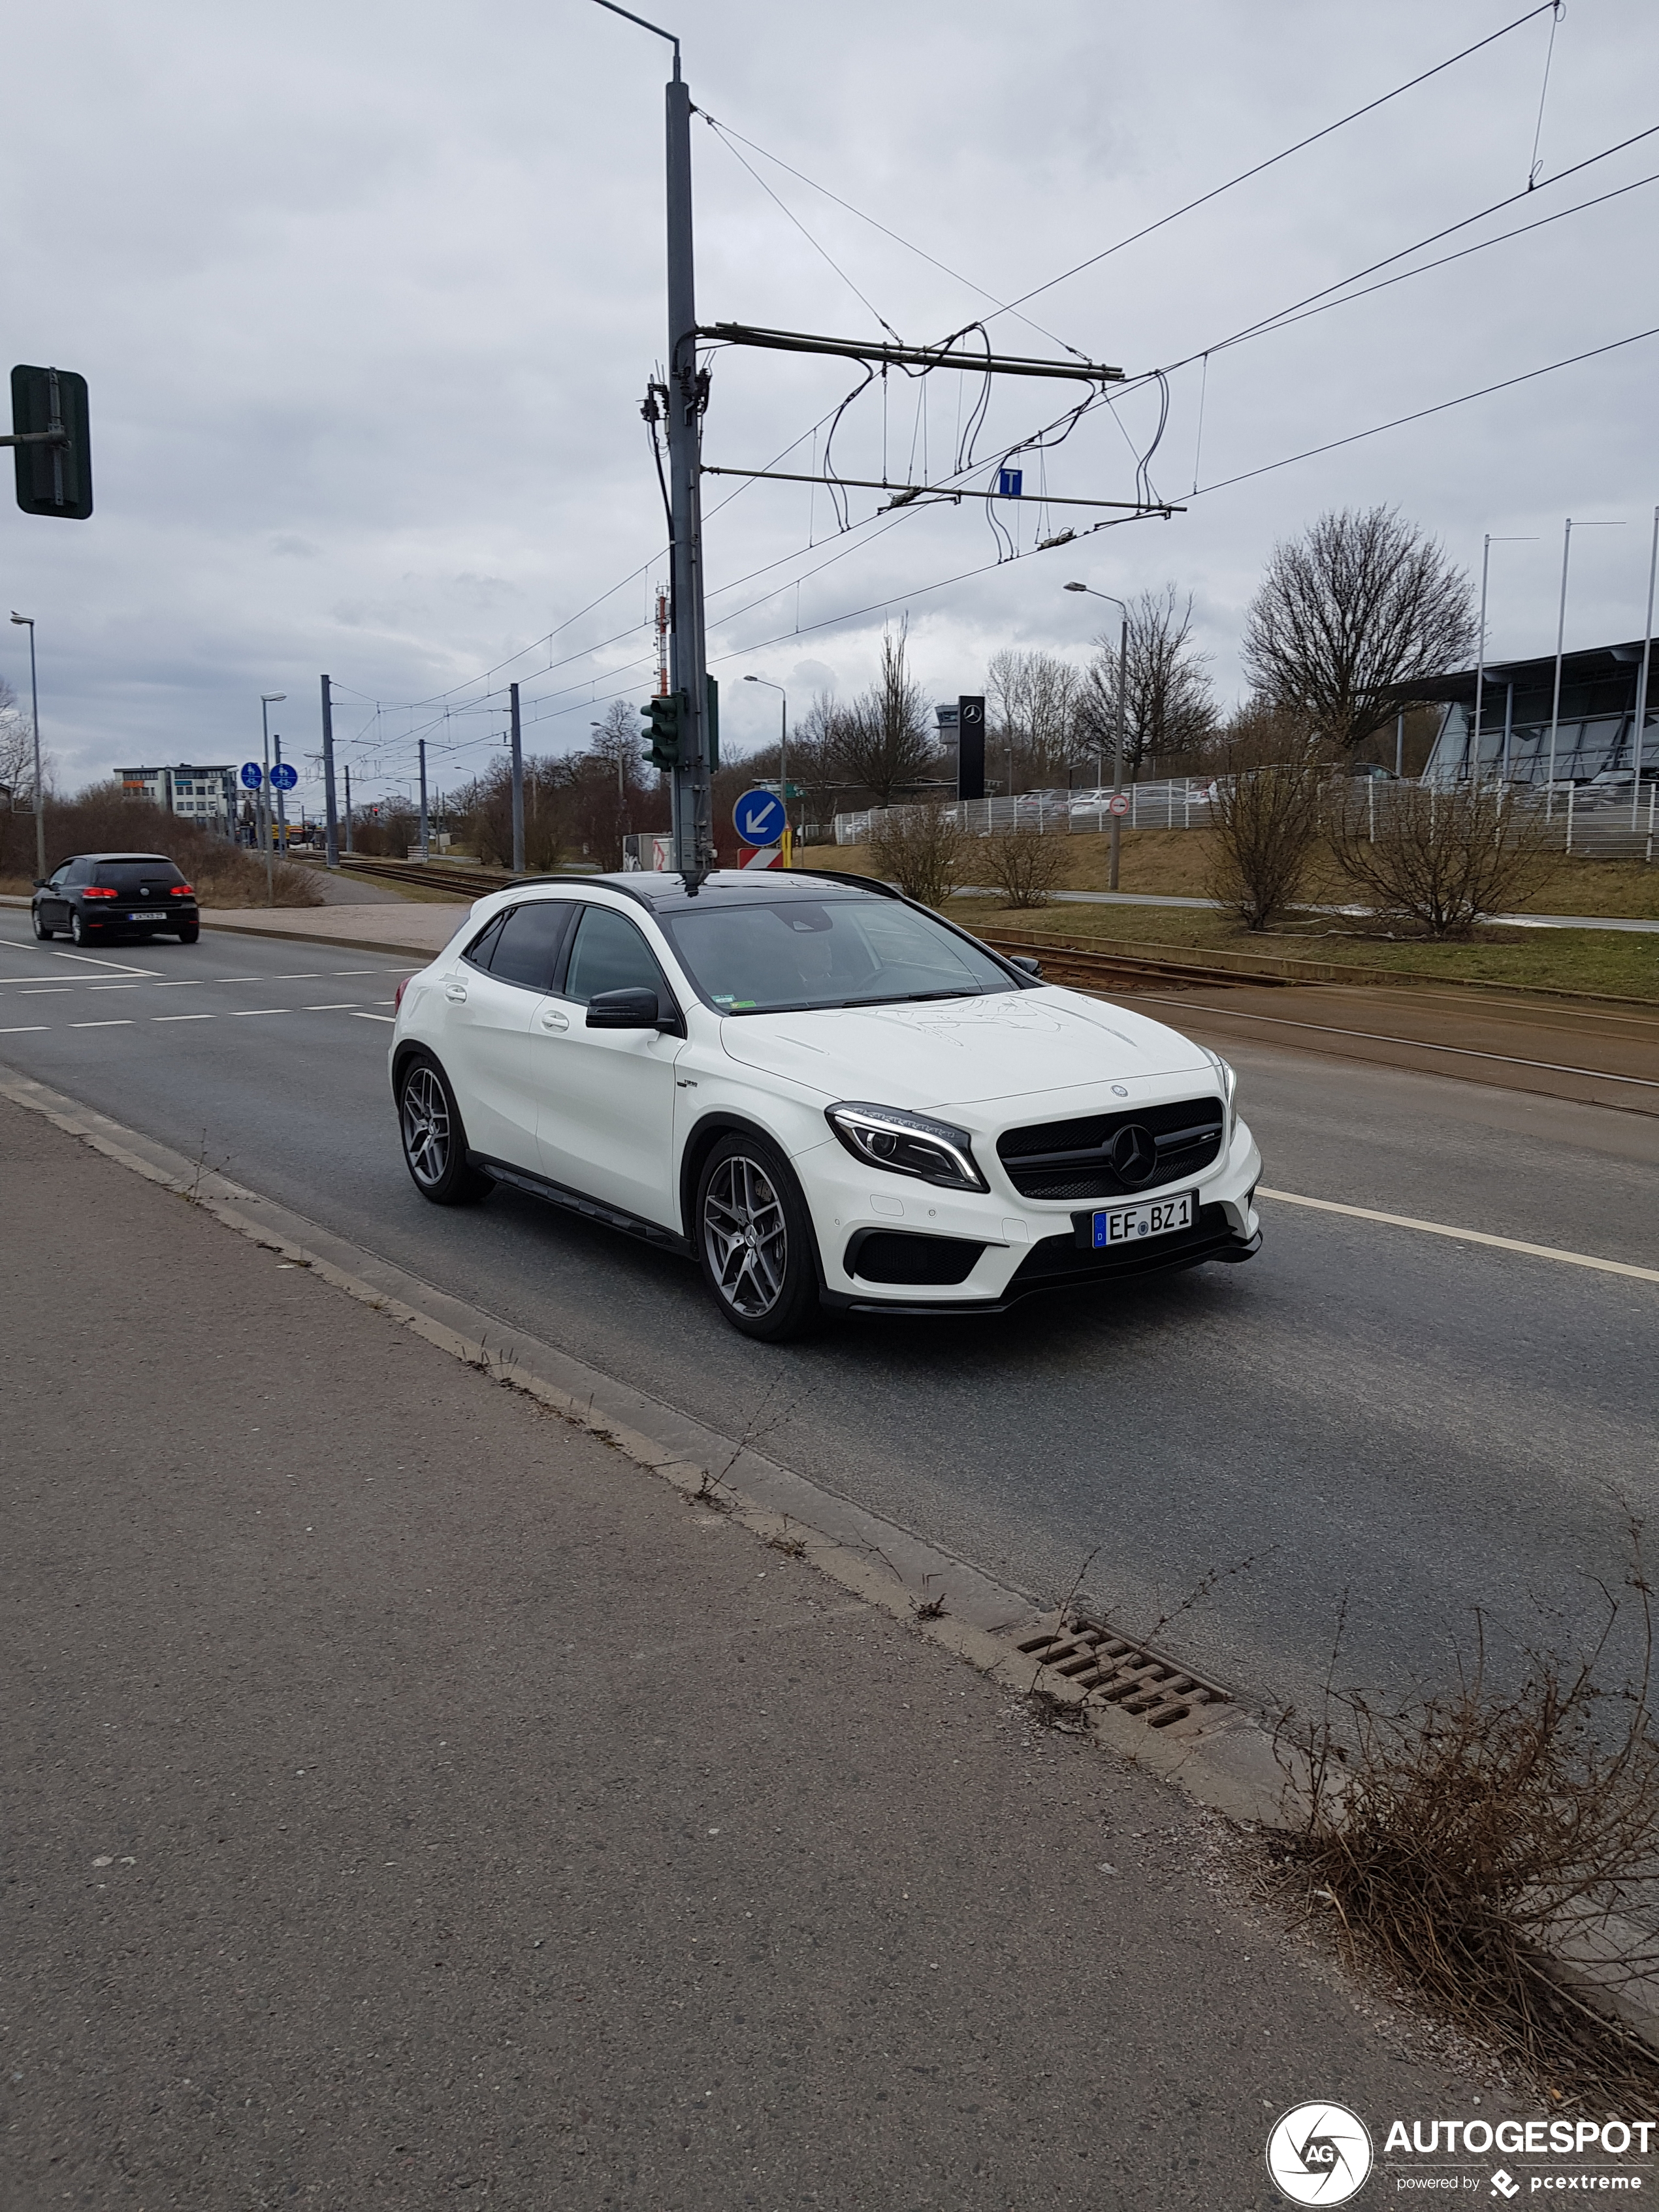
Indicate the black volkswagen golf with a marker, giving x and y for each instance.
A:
(97, 896)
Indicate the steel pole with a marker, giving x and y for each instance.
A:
(40, 788)
(1122, 732)
(1480, 664)
(1560, 641)
(783, 774)
(330, 818)
(1641, 682)
(348, 809)
(692, 798)
(263, 808)
(518, 782)
(425, 847)
(1400, 745)
(282, 805)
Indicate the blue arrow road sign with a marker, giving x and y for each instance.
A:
(285, 776)
(758, 818)
(252, 775)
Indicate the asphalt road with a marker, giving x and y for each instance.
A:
(1365, 1422)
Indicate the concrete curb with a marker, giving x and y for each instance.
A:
(423, 953)
(1227, 1762)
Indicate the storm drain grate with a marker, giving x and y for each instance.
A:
(1116, 1671)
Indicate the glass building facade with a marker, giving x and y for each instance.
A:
(1593, 735)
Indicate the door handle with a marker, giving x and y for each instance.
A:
(554, 1020)
(455, 991)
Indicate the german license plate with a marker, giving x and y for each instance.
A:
(1126, 1225)
(147, 917)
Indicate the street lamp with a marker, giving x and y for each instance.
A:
(1480, 661)
(39, 795)
(1123, 697)
(267, 700)
(783, 758)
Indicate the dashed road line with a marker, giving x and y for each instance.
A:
(125, 1024)
(1465, 1236)
(375, 1017)
(184, 1018)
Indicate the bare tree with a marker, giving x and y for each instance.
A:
(1440, 858)
(1264, 812)
(1034, 699)
(1024, 865)
(882, 743)
(920, 849)
(1348, 617)
(1169, 709)
(17, 751)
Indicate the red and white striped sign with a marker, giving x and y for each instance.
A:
(760, 856)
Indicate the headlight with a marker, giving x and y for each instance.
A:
(907, 1144)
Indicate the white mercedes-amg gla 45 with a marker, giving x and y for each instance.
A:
(825, 1094)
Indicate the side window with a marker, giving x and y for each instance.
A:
(78, 871)
(527, 950)
(611, 955)
(484, 944)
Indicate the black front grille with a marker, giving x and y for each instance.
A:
(1073, 1159)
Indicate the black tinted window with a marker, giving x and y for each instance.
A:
(128, 877)
(611, 955)
(528, 946)
(479, 953)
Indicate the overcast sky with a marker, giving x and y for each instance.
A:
(368, 297)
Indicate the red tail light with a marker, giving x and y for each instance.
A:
(398, 1000)
(182, 890)
(96, 891)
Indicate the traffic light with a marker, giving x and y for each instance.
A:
(54, 467)
(665, 737)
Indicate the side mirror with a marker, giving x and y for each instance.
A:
(636, 1008)
(1025, 962)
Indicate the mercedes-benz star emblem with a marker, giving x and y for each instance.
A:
(1133, 1152)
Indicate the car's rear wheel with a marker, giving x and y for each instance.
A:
(434, 1137)
(79, 933)
(44, 934)
(189, 934)
(754, 1241)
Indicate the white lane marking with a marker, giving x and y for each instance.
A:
(1417, 1044)
(125, 1024)
(338, 1006)
(113, 987)
(26, 1029)
(403, 970)
(183, 1017)
(41, 990)
(91, 960)
(1465, 1236)
(375, 1018)
(243, 1013)
(302, 976)
(188, 982)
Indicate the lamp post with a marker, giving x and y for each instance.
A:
(1560, 639)
(267, 700)
(1638, 734)
(1122, 701)
(34, 714)
(1487, 543)
(765, 684)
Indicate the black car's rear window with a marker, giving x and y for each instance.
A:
(127, 876)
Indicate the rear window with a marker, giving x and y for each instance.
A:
(129, 876)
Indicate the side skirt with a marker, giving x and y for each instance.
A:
(591, 1209)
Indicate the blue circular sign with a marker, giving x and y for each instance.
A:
(758, 818)
(252, 775)
(285, 776)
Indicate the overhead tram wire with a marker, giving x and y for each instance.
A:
(1421, 414)
(1259, 168)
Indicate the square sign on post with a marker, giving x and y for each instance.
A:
(970, 748)
(1010, 483)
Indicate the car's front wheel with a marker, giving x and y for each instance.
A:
(44, 934)
(754, 1241)
(433, 1138)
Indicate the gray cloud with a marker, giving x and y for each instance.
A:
(367, 298)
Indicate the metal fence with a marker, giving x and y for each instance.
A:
(1589, 819)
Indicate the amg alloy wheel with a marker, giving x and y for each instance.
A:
(434, 1142)
(754, 1241)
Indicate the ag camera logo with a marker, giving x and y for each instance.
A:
(1319, 2153)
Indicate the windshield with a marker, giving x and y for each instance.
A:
(764, 959)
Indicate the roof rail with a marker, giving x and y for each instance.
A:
(858, 883)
